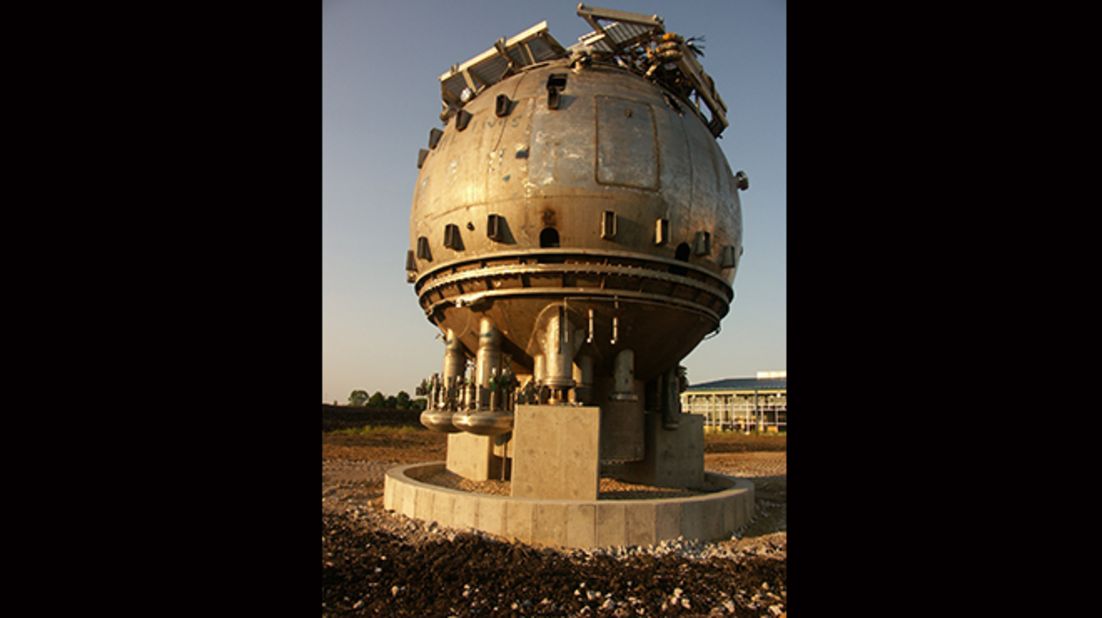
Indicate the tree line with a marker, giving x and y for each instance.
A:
(401, 401)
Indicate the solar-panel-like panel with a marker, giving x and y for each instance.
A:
(620, 32)
(490, 66)
(615, 35)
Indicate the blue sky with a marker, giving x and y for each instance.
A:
(380, 97)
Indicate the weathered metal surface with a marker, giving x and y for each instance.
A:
(483, 422)
(538, 167)
(438, 420)
(571, 213)
(627, 153)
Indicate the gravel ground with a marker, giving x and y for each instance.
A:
(379, 563)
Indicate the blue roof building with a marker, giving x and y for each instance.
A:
(741, 404)
(742, 385)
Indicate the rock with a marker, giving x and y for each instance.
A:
(394, 591)
(685, 603)
(729, 606)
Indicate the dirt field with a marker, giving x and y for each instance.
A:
(380, 563)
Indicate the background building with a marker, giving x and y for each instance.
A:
(741, 404)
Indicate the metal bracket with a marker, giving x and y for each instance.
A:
(556, 83)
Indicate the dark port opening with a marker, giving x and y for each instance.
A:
(681, 253)
(549, 237)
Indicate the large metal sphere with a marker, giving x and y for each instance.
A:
(618, 144)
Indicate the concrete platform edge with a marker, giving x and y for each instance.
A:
(573, 523)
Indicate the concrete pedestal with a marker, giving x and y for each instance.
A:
(622, 431)
(674, 457)
(555, 452)
(573, 523)
(472, 457)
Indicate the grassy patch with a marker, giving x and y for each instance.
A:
(378, 430)
(736, 442)
(384, 437)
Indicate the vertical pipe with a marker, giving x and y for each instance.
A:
(558, 352)
(623, 377)
(454, 358)
(489, 357)
(455, 361)
(539, 369)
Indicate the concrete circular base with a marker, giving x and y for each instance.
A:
(574, 523)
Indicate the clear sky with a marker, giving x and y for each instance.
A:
(380, 97)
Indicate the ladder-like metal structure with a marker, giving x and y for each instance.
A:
(633, 41)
